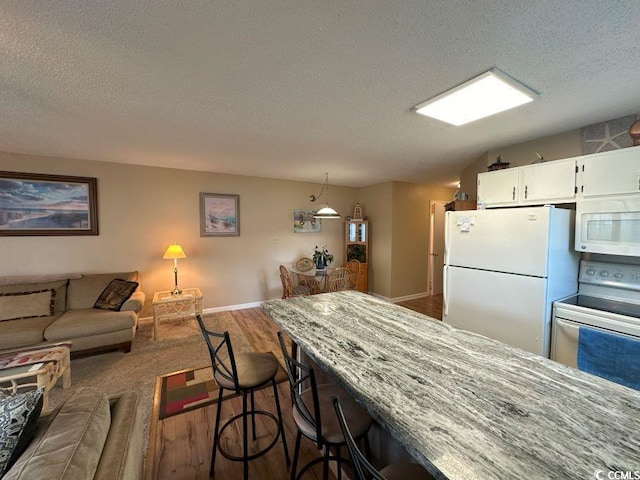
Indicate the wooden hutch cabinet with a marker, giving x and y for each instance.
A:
(356, 247)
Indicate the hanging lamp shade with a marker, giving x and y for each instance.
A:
(326, 211)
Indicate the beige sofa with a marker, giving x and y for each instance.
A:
(90, 436)
(74, 318)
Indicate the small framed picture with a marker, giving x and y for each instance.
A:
(34, 204)
(219, 215)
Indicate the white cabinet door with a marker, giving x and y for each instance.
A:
(551, 182)
(498, 189)
(610, 173)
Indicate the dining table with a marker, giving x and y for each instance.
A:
(313, 277)
(464, 406)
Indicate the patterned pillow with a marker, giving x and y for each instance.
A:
(117, 292)
(27, 304)
(18, 417)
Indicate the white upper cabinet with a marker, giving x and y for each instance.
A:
(538, 184)
(551, 182)
(499, 188)
(609, 173)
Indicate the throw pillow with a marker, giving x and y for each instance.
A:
(27, 304)
(18, 421)
(117, 292)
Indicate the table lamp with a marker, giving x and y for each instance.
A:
(174, 251)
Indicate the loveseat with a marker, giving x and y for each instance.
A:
(47, 309)
(89, 436)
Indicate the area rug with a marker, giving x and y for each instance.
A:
(193, 388)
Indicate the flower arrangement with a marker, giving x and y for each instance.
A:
(321, 257)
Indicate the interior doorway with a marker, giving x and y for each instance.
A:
(436, 247)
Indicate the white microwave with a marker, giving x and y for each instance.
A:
(609, 225)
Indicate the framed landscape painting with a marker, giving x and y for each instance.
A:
(36, 204)
(219, 215)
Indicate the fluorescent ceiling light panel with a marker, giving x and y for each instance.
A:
(482, 96)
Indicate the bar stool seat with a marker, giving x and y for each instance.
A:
(362, 468)
(313, 415)
(359, 419)
(253, 369)
(244, 374)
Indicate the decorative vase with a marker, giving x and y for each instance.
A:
(320, 263)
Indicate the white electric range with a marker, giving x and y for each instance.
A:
(608, 299)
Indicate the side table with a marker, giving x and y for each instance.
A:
(167, 305)
(47, 363)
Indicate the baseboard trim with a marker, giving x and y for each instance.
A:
(228, 308)
(401, 299)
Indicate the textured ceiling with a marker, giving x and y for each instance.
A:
(292, 89)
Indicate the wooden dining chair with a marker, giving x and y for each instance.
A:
(353, 266)
(362, 467)
(305, 275)
(338, 280)
(288, 288)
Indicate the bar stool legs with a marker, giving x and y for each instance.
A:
(246, 413)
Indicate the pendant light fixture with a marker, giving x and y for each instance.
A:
(326, 211)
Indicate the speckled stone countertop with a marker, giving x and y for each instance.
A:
(465, 406)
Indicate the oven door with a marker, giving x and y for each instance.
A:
(609, 225)
(564, 334)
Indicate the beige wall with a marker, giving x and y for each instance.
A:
(376, 202)
(399, 214)
(143, 209)
(410, 238)
(563, 145)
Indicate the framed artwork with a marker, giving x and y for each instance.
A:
(219, 215)
(303, 222)
(36, 204)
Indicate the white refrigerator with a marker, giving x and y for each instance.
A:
(503, 270)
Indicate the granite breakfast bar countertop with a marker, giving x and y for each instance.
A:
(465, 406)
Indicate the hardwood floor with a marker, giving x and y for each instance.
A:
(431, 306)
(180, 446)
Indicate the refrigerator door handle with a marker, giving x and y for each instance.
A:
(446, 238)
(445, 291)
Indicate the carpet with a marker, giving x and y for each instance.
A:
(193, 388)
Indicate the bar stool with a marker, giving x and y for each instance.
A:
(314, 416)
(242, 373)
(363, 469)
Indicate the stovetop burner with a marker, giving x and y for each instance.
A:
(604, 304)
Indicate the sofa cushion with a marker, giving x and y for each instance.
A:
(26, 331)
(16, 305)
(117, 292)
(87, 322)
(18, 418)
(83, 292)
(60, 287)
(71, 446)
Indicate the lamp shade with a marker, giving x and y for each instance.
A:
(174, 251)
(326, 212)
